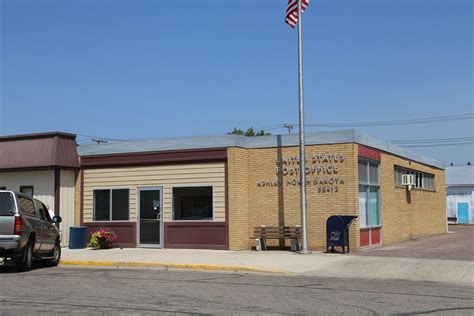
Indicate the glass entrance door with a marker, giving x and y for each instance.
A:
(150, 217)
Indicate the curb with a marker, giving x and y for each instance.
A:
(171, 266)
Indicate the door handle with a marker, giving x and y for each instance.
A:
(158, 217)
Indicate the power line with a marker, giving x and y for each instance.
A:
(435, 142)
(102, 138)
(439, 145)
(426, 120)
(431, 139)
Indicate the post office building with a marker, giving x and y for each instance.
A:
(211, 192)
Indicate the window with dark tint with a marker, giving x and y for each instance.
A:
(27, 206)
(192, 203)
(7, 204)
(46, 213)
(27, 190)
(120, 205)
(101, 205)
(111, 204)
(41, 211)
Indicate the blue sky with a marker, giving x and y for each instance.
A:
(150, 69)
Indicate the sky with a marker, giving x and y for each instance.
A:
(150, 69)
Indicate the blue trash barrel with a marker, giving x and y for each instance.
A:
(78, 237)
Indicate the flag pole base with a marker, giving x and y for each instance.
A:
(304, 252)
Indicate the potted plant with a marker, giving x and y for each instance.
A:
(104, 238)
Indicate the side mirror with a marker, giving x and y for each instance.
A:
(57, 219)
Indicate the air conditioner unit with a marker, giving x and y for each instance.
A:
(408, 180)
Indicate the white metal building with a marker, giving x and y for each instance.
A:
(460, 193)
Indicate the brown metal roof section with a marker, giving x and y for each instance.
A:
(38, 151)
(154, 158)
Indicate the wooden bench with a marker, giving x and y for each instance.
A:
(262, 233)
(452, 220)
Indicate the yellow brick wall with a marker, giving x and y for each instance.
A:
(414, 214)
(279, 204)
(251, 205)
(238, 198)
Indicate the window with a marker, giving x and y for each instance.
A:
(27, 206)
(369, 196)
(192, 203)
(423, 180)
(111, 204)
(46, 213)
(7, 203)
(41, 211)
(27, 190)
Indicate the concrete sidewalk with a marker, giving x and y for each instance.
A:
(315, 264)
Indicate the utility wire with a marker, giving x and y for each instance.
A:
(99, 137)
(439, 145)
(432, 140)
(425, 120)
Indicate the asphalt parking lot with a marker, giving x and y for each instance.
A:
(458, 244)
(100, 291)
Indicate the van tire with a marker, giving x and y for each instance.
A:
(56, 254)
(26, 263)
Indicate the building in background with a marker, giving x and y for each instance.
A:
(43, 166)
(460, 194)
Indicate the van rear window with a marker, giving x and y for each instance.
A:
(7, 205)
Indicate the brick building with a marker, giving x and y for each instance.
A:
(210, 192)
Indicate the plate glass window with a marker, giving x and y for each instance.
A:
(111, 204)
(369, 195)
(192, 203)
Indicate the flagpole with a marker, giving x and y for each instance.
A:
(304, 224)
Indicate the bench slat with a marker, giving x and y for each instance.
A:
(277, 232)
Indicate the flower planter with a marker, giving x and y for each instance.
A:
(104, 238)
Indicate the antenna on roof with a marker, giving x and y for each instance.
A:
(98, 140)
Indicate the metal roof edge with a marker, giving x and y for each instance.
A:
(208, 142)
(369, 141)
(37, 135)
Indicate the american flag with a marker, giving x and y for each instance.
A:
(292, 11)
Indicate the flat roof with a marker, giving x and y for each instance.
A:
(225, 141)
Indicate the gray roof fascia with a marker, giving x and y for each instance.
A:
(225, 141)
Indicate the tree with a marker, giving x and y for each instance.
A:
(250, 132)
